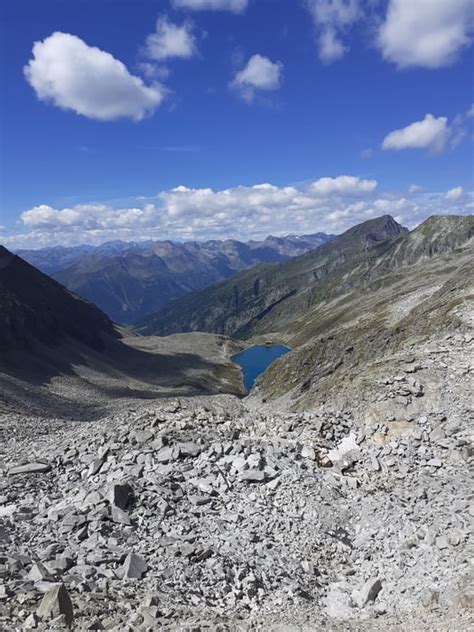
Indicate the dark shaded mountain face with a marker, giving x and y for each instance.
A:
(267, 298)
(130, 281)
(236, 305)
(35, 309)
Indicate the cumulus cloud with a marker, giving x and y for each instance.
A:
(426, 33)
(171, 40)
(331, 19)
(89, 217)
(330, 204)
(199, 213)
(430, 133)
(259, 74)
(153, 70)
(235, 6)
(70, 74)
(345, 185)
(455, 193)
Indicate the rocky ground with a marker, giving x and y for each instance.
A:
(202, 514)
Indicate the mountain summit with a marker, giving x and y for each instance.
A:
(256, 294)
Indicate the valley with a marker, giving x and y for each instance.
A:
(143, 487)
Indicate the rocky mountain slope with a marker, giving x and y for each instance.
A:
(252, 296)
(36, 309)
(268, 298)
(375, 347)
(129, 281)
(198, 514)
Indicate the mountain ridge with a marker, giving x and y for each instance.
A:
(279, 280)
(128, 283)
(249, 303)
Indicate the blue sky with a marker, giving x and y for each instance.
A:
(324, 102)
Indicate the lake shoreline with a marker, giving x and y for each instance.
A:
(255, 360)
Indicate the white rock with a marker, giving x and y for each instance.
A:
(367, 593)
(30, 468)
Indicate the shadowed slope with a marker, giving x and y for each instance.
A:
(61, 354)
(36, 309)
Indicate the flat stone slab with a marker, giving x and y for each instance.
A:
(30, 468)
(55, 603)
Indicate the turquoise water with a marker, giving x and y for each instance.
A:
(255, 360)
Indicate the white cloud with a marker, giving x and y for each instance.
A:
(186, 212)
(153, 70)
(430, 133)
(235, 6)
(331, 19)
(66, 71)
(89, 217)
(415, 188)
(171, 40)
(426, 33)
(344, 185)
(259, 74)
(470, 112)
(330, 48)
(243, 212)
(455, 193)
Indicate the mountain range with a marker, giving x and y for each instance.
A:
(267, 297)
(128, 281)
(377, 293)
(244, 303)
(371, 297)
